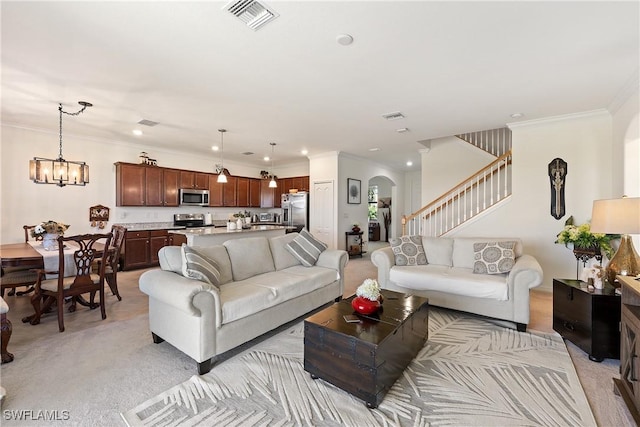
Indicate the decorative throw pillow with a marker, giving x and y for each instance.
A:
(199, 267)
(408, 250)
(306, 248)
(493, 257)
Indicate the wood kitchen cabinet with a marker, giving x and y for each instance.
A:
(191, 179)
(267, 194)
(229, 192)
(141, 248)
(254, 192)
(143, 185)
(216, 191)
(242, 192)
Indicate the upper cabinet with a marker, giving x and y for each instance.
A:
(191, 179)
(145, 185)
(142, 185)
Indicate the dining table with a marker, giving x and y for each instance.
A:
(33, 255)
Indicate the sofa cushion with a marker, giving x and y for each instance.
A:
(451, 280)
(306, 248)
(249, 296)
(249, 256)
(282, 258)
(464, 255)
(170, 258)
(408, 250)
(199, 267)
(438, 250)
(493, 257)
(219, 254)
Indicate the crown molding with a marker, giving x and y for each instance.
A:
(630, 88)
(561, 118)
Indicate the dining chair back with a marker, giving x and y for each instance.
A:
(27, 233)
(75, 276)
(113, 259)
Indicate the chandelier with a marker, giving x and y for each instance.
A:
(59, 171)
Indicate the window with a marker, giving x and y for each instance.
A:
(373, 202)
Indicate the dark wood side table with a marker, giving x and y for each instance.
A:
(353, 243)
(590, 320)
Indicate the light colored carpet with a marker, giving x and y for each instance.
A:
(470, 372)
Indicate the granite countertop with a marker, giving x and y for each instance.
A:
(203, 231)
(149, 226)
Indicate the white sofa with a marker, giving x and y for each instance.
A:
(262, 287)
(448, 279)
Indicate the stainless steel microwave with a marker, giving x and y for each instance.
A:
(191, 197)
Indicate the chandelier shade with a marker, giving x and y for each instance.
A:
(59, 171)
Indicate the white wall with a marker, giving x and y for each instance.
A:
(23, 202)
(584, 141)
(449, 162)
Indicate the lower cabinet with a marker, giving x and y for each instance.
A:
(141, 248)
(628, 385)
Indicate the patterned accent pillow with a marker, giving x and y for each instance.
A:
(306, 248)
(493, 257)
(199, 267)
(408, 250)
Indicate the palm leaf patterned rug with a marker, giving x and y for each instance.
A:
(471, 372)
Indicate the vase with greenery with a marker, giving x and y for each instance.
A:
(581, 237)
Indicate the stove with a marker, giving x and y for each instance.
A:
(190, 220)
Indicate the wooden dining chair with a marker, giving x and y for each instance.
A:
(113, 259)
(75, 278)
(15, 277)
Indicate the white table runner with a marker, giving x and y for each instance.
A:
(51, 262)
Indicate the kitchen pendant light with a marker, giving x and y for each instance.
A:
(222, 178)
(59, 171)
(272, 183)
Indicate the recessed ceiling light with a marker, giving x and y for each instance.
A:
(304, 152)
(215, 147)
(374, 149)
(344, 39)
(265, 158)
(517, 115)
(409, 163)
(137, 132)
(402, 130)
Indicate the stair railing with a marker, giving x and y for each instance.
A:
(464, 201)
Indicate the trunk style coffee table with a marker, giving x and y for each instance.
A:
(367, 357)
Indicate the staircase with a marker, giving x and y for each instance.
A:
(466, 200)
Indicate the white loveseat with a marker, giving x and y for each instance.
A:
(448, 279)
(262, 287)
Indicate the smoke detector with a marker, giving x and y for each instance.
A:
(253, 13)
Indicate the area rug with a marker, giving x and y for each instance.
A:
(471, 372)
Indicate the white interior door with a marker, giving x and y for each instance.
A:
(322, 213)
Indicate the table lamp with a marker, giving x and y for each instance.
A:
(619, 216)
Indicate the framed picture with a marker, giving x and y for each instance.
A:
(353, 191)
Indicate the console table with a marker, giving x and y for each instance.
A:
(353, 243)
(589, 319)
(627, 385)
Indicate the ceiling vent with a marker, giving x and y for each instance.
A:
(254, 14)
(248, 153)
(393, 116)
(146, 122)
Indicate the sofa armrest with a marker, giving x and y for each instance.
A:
(335, 259)
(180, 292)
(526, 273)
(384, 259)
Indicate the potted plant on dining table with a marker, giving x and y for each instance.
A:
(49, 231)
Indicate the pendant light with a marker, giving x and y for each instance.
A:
(272, 183)
(222, 178)
(59, 171)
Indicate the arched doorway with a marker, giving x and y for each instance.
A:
(381, 209)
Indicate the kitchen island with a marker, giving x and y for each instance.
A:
(209, 236)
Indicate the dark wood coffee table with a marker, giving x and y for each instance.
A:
(367, 357)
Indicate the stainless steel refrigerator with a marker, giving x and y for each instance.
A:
(295, 210)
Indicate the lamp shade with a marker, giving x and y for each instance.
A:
(616, 216)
